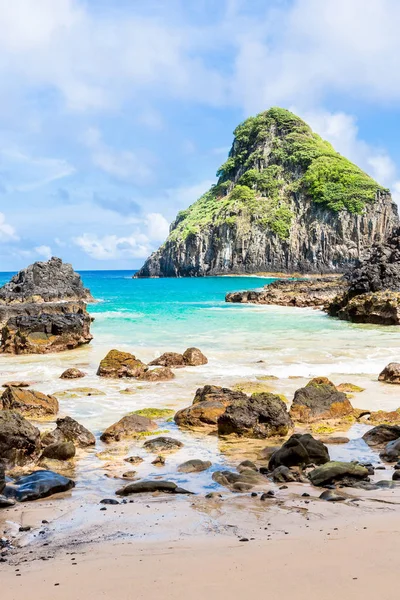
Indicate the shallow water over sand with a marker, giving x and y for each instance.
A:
(148, 317)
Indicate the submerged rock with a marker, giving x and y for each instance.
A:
(391, 373)
(259, 416)
(119, 364)
(72, 373)
(36, 485)
(69, 430)
(194, 466)
(319, 400)
(381, 435)
(29, 402)
(299, 450)
(334, 471)
(19, 440)
(162, 444)
(149, 487)
(332, 496)
(59, 451)
(127, 427)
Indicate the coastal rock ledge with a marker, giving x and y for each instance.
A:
(43, 309)
(285, 202)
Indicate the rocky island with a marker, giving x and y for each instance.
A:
(43, 309)
(285, 201)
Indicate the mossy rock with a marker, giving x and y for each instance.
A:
(267, 377)
(79, 391)
(251, 387)
(154, 413)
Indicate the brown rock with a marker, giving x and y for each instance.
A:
(19, 440)
(391, 373)
(72, 373)
(69, 430)
(193, 357)
(319, 400)
(59, 451)
(120, 364)
(29, 402)
(160, 374)
(17, 384)
(169, 359)
(209, 404)
(128, 427)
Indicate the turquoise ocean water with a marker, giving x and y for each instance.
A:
(242, 342)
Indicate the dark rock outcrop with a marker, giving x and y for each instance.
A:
(149, 487)
(128, 427)
(59, 451)
(29, 403)
(381, 435)
(162, 444)
(285, 201)
(299, 451)
(36, 485)
(391, 373)
(119, 364)
(43, 309)
(19, 440)
(69, 430)
(259, 416)
(319, 400)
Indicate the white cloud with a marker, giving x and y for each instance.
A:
(121, 164)
(7, 231)
(139, 243)
(23, 173)
(157, 227)
(44, 251)
(111, 247)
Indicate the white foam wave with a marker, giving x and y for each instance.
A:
(118, 314)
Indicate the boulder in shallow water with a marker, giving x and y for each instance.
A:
(162, 444)
(149, 487)
(381, 435)
(319, 400)
(59, 451)
(119, 364)
(36, 485)
(128, 427)
(168, 359)
(208, 405)
(19, 439)
(72, 373)
(257, 416)
(391, 373)
(69, 430)
(29, 403)
(299, 450)
(391, 453)
(334, 471)
(193, 357)
(194, 466)
(159, 374)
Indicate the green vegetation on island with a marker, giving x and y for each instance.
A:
(275, 157)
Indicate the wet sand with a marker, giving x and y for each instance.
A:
(347, 555)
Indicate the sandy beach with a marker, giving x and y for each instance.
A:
(355, 560)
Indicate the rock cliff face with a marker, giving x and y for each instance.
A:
(285, 201)
(43, 309)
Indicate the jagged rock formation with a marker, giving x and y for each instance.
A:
(285, 201)
(373, 295)
(314, 292)
(43, 309)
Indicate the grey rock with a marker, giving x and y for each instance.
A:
(149, 487)
(332, 496)
(299, 450)
(69, 430)
(162, 444)
(19, 440)
(381, 435)
(194, 466)
(59, 451)
(334, 471)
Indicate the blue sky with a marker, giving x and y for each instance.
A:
(115, 114)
